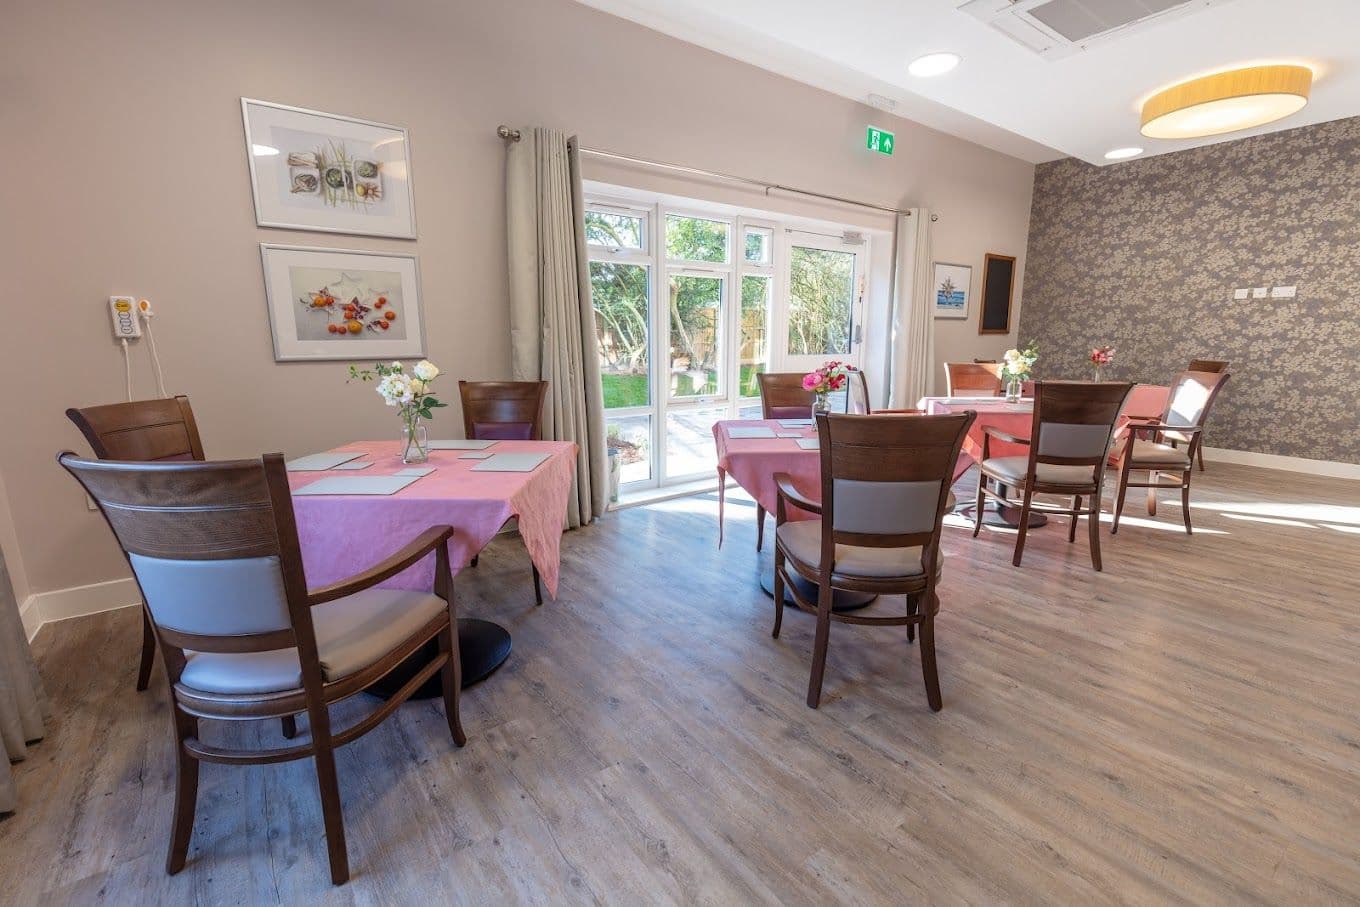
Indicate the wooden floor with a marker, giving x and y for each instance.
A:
(1179, 729)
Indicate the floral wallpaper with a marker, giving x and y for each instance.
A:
(1145, 256)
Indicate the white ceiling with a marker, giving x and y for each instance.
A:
(1005, 96)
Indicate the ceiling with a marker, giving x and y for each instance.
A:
(1004, 95)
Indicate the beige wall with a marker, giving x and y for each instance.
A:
(125, 173)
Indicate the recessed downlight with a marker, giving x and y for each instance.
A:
(1120, 154)
(933, 64)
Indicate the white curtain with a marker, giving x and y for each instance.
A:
(21, 698)
(552, 323)
(911, 356)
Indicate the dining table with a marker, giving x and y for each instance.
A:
(343, 534)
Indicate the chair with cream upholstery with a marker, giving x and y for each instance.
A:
(1068, 444)
(214, 550)
(885, 490)
(1213, 367)
(1148, 445)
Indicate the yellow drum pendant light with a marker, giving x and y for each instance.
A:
(1227, 101)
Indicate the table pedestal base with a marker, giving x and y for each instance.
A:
(994, 514)
(482, 645)
(841, 599)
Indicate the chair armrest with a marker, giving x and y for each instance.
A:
(1000, 435)
(899, 412)
(427, 541)
(1161, 426)
(784, 483)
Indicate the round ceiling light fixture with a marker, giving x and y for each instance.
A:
(933, 64)
(1120, 154)
(1227, 102)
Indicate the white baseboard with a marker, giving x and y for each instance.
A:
(43, 608)
(1330, 468)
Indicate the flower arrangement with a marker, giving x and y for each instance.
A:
(1017, 366)
(1101, 356)
(822, 381)
(413, 397)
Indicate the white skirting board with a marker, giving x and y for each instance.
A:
(1331, 468)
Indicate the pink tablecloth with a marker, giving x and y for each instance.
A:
(753, 462)
(1018, 419)
(344, 534)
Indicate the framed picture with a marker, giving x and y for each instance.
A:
(320, 171)
(998, 285)
(953, 286)
(342, 304)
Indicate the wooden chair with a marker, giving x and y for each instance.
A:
(147, 430)
(505, 411)
(858, 403)
(782, 396)
(1213, 367)
(214, 549)
(1068, 445)
(885, 489)
(972, 379)
(1146, 448)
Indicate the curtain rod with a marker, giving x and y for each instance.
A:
(513, 135)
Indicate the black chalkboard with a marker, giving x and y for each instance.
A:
(998, 281)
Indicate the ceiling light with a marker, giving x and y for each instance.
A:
(1120, 154)
(933, 64)
(1227, 101)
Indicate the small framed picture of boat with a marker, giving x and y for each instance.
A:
(322, 171)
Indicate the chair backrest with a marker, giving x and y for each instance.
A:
(1074, 421)
(858, 402)
(1213, 366)
(782, 396)
(213, 547)
(162, 429)
(1192, 395)
(885, 479)
(972, 379)
(503, 410)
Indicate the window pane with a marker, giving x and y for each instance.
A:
(617, 231)
(631, 436)
(755, 325)
(696, 239)
(696, 331)
(620, 294)
(689, 441)
(759, 243)
(821, 295)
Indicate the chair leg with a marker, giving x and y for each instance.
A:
(778, 591)
(760, 527)
(329, 787)
(1199, 455)
(1024, 528)
(1076, 515)
(451, 682)
(929, 669)
(1093, 519)
(538, 586)
(1119, 497)
(148, 654)
(1152, 493)
(186, 791)
(289, 723)
(819, 645)
(981, 502)
(1185, 499)
(913, 605)
(474, 560)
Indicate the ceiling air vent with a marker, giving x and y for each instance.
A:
(1059, 28)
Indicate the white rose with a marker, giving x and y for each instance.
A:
(418, 387)
(396, 365)
(426, 370)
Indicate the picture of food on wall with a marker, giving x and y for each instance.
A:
(321, 171)
(347, 305)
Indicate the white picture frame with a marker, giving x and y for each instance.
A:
(362, 287)
(952, 288)
(311, 170)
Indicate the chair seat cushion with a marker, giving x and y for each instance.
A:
(1161, 454)
(1011, 471)
(802, 541)
(351, 633)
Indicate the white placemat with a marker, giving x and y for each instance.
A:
(365, 485)
(460, 444)
(795, 423)
(757, 431)
(320, 462)
(511, 462)
(810, 443)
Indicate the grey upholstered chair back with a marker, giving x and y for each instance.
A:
(1072, 440)
(1190, 397)
(201, 538)
(885, 508)
(1074, 420)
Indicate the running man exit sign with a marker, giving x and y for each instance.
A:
(880, 140)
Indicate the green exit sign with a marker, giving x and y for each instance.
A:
(880, 140)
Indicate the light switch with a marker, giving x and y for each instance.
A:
(1241, 294)
(1259, 292)
(1282, 292)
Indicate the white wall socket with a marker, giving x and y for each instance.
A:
(1241, 293)
(1282, 292)
(1259, 292)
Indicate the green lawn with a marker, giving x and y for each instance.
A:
(631, 390)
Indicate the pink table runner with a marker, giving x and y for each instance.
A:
(344, 534)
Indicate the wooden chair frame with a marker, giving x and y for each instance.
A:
(188, 705)
(967, 376)
(1180, 477)
(858, 376)
(493, 399)
(136, 431)
(854, 444)
(1213, 367)
(1101, 396)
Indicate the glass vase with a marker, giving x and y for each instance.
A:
(821, 403)
(1013, 390)
(415, 442)
(1098, 371)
